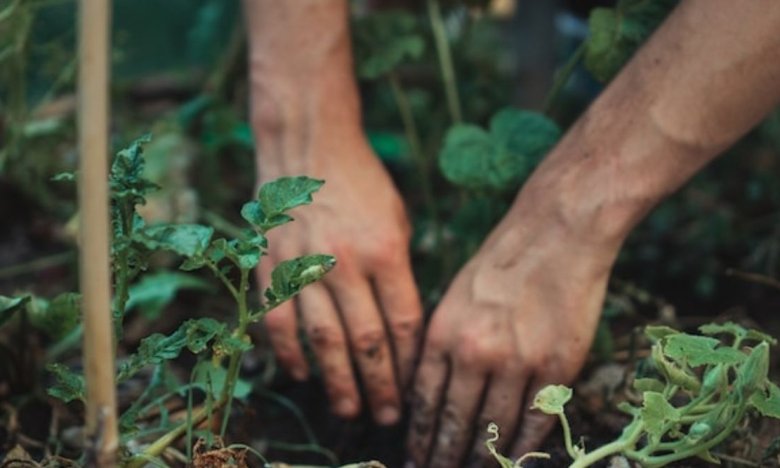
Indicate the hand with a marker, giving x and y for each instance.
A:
(366, 311)
(519, 316)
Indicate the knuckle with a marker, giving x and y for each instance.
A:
(406, 327)
(325, 336)
(369, 342)
(276, 323)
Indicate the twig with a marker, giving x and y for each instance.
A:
(754, 278)
(38, 264)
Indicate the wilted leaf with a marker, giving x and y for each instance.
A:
(154, 349)
(616, 33)
(9, 306)
(277, 197)
(656, 413)
(767, 402)
(187, 240)
(552, 398)
(384, 40)
(290, 276)
(155, 291)
(501, 158)
(700, 350)
(126, 177)
(69, 386)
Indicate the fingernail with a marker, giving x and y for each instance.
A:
(387, 415)
(345, 407)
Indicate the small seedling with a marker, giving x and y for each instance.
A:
(697, 391)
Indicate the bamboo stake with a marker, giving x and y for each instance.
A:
(94, 269)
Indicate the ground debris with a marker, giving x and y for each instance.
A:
(217, 456)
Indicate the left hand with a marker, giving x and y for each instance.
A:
(519, 316)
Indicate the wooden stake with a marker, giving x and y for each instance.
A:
(94, 268)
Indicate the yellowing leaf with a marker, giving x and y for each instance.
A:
(552, 398)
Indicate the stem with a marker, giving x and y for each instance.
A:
(445, 60)
(413, 137)
(235, 358)
(630, 436)
(562, 77)
(41, 263)
(224, 279)
(573, 452)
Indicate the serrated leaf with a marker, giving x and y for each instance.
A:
(385, 40)
(700, 350)
(767, 402)
(502, 158)
(290, 276)
(656, 413)
(187, 240)
(57, 317)
(10, 305)
(616, 33)
(154, 349)
(69, 385)
(552, 398)
(155, 291)
(277, 197)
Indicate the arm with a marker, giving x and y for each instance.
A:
(305, 115)
(522, 312)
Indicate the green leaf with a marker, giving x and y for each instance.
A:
(730, 328)
(155, 291)
(656, 413)
(385, 40)
(767, 402)
(154, 349)
(244, 253)
(9, 306)
(616, 33)
(648, 385)
(126, 177)
(211, 377)
(752, 374)
(658, 332)
(290, 276)
(552, 398)
(69, 385)
(64, 177)
(57, 317)
(700, 350)
(187, 240)
(277, 197)
(502, 158)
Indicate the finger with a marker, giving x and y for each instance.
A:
(369, 344)
(402, 310)
(503, 405)
(456, 420)
(323, 327)
(429, 384)
(282, 327)
(534, 425)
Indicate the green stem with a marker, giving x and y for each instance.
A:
(413, 137)
(221, 276)
(630, 436)
(41, 263)
(573, 452)
(445, 60)
(235, 358)
(561, 78)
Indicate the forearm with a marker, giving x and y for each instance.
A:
(709, 74)
(302, 80)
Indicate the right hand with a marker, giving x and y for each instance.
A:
(366, 311)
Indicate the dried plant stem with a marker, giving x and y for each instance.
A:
(94, 272)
